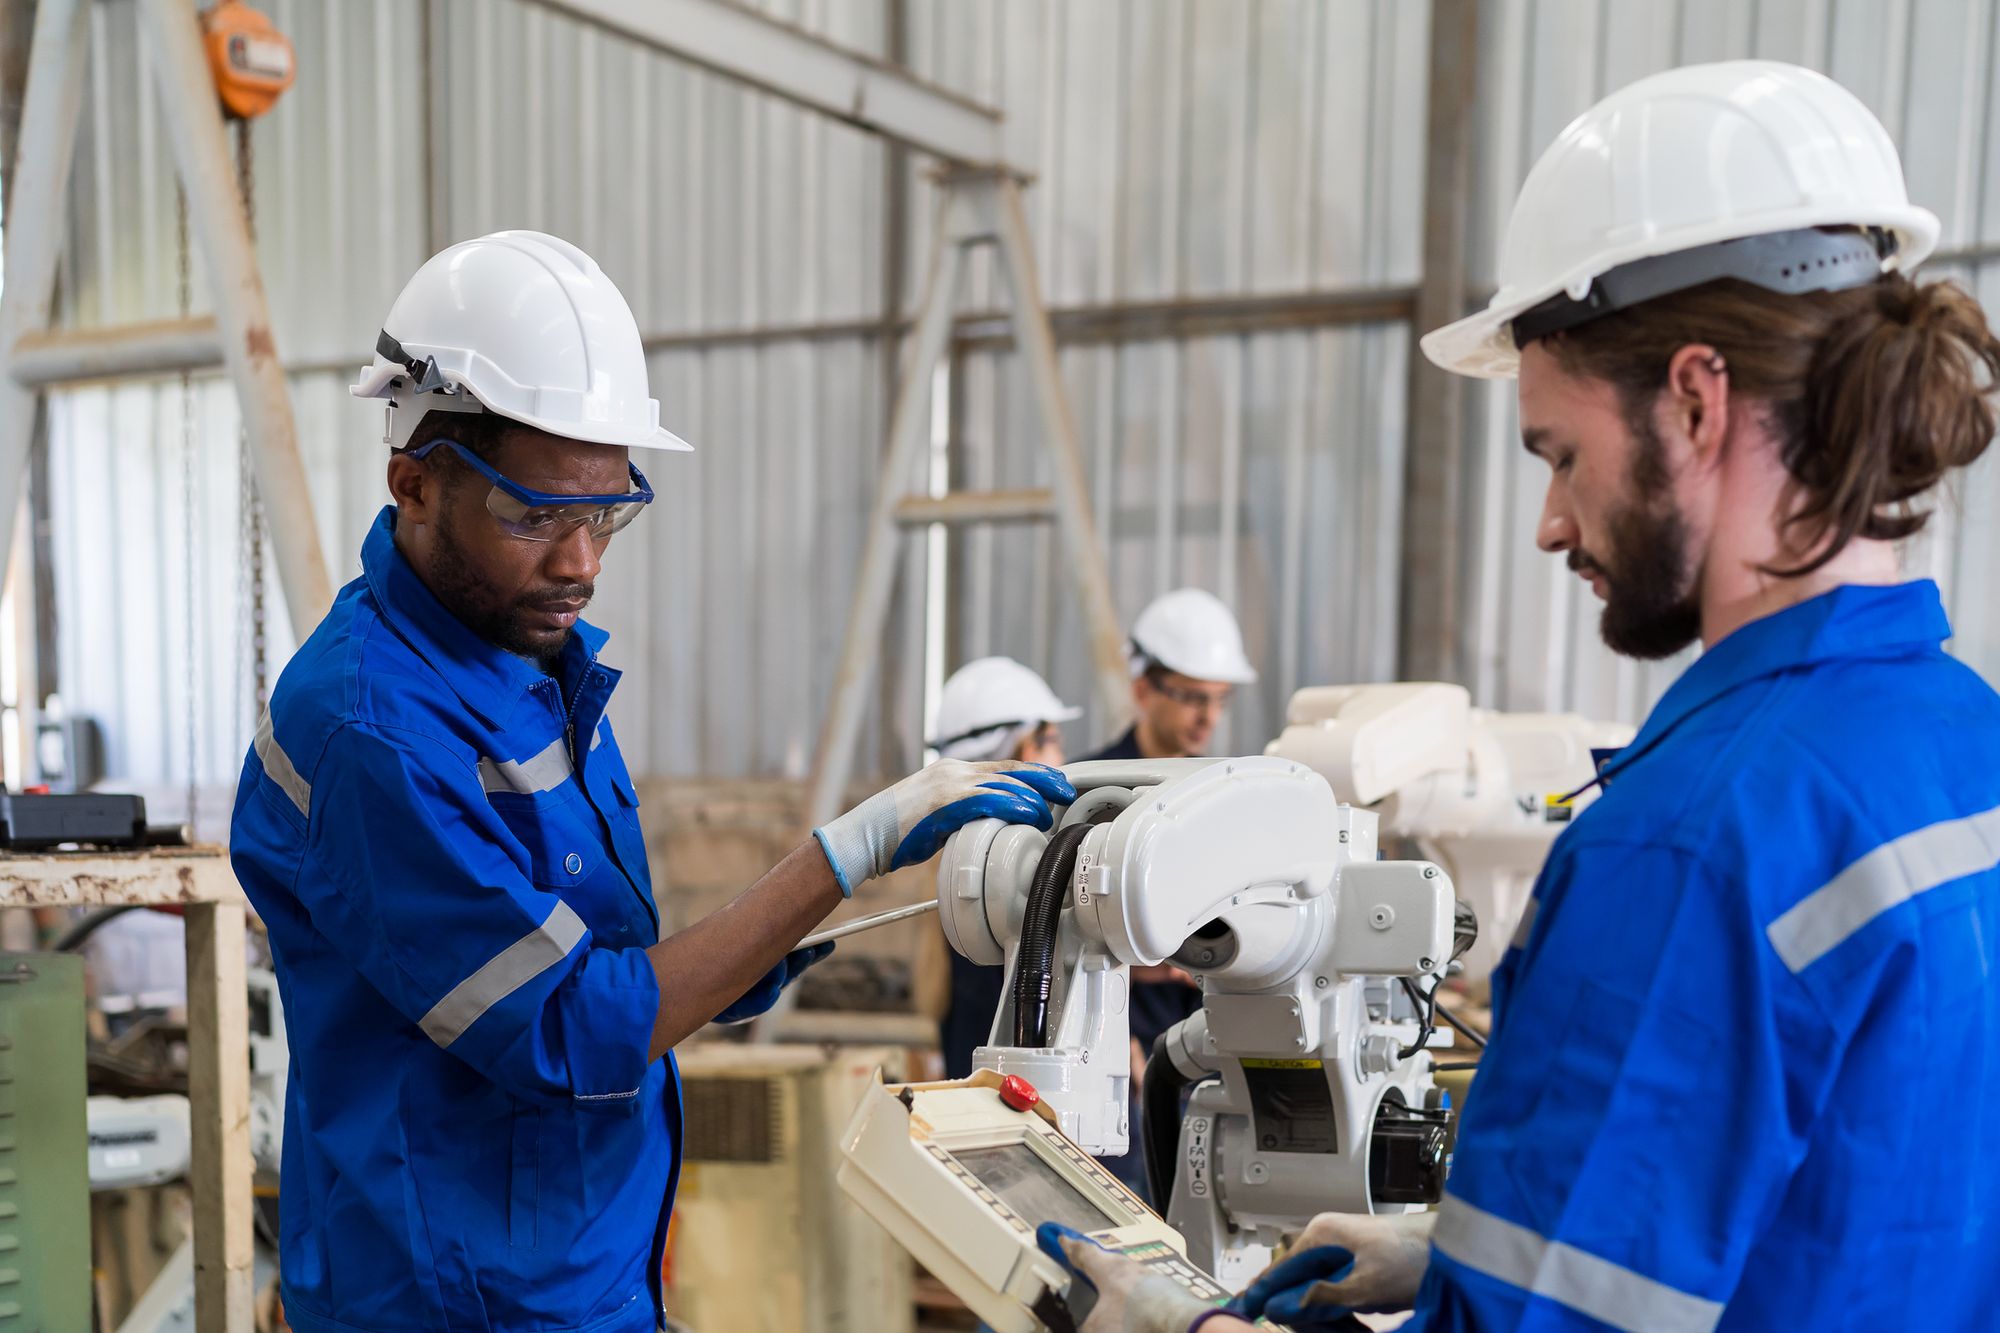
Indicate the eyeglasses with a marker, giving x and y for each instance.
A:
(1213, 700)
(538, 516)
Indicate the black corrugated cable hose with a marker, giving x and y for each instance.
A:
(1034, 974)
(1160, 1120)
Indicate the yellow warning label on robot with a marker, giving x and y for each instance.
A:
(1282, 1064)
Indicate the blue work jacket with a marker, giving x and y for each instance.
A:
(1745, 1065)
(445, 846)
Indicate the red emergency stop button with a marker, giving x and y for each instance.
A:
(1018, 1093)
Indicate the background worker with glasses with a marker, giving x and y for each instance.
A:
(483, 1121)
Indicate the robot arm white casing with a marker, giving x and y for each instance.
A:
(1475, 790)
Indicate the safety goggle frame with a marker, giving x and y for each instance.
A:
(540, 516)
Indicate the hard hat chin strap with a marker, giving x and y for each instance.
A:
(1787, 262)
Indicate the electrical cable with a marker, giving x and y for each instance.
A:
(1426, 1021)
(1034, 970)
(1465, 1030)
(1160, 1119)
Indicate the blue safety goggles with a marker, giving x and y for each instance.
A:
(538, 516)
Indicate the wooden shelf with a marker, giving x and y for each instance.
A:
(198, 879)
(155, 876)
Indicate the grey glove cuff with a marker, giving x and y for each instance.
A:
(1161, 1305)
(859, 844)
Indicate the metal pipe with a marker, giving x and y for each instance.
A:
(861, 923)
(162, 347)
(194, 126)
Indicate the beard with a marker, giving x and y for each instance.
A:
(1651, 610)
(502, 622)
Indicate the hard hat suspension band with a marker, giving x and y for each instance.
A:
(1787, 262)
(983, 729)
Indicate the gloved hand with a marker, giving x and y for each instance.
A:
(1131, 1298)
(908, 823)
(1385, 1254)
(1294, 1291)
(764, 994)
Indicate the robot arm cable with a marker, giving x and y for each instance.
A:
(1464, 1029)
(1428, 1012)
(1035, 969)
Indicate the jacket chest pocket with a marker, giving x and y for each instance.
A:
(559, 830)
(564, 841)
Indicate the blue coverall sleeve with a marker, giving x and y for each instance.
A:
(412, 877)
(1645, 1099)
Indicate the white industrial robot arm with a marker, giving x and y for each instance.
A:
(1249, 874)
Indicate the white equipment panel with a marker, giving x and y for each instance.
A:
(962, 1178)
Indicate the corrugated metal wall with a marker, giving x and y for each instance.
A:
(1186, 149)
(1926, 67)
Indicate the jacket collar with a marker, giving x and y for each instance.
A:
(490, 681)
(1854, 621)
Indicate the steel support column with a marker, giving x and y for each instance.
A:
(1434, 449)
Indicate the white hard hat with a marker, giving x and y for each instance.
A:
(988, 702)
(1192, 632)
(526, 326)
(1664, 184)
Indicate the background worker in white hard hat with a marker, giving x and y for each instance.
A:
(483, 1124)
(1186, 659)
(1758, 967)
(992, 708)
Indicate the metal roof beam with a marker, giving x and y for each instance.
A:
(787, 61)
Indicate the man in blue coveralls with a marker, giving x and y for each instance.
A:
(1742, 1070)
(482, 1127)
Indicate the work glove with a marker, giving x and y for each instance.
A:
(1131, 1298)
(764, 994)
(1387, 1255)
(1296, 1292)
(905, 825)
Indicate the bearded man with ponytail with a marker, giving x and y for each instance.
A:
(1745, 1065)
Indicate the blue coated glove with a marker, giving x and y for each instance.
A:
(764, 994)
(1284, 1295)
(908, 823)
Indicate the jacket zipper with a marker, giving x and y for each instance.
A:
(569, 715)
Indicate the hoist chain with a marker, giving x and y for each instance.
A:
(246, 189)
(183, 298)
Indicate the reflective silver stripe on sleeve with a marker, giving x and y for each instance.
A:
(544, 772)
(506, 972)
(1562, 1273)
(1526, 925)
(1890, 875)
(278, 767)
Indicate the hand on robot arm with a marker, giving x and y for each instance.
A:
(1389, 1253)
